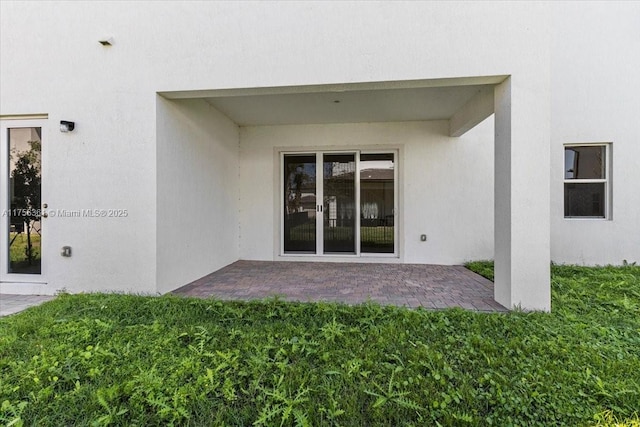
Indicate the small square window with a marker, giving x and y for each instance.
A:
(586, 181)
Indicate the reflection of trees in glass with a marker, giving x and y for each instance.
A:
(299, 203)
(25, 203)
(339, 189)
(297, 178)
(369, 210)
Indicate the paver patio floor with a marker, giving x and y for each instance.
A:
(11, 304)
(409, 285)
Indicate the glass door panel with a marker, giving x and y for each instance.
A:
(339, 203)
(377, 201)
(339, 206)
(300, 203)
(24, 185)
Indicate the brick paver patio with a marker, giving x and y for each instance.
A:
(410, 285)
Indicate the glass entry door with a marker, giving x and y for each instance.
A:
(22, 229)
(339, 203)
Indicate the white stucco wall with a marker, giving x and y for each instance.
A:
(595, 98)
(445, 185)
(197, 191)
(52, 63)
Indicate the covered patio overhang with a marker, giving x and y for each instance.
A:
(521, 193)
(465, 102)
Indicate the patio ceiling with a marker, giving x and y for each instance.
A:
(435, 99)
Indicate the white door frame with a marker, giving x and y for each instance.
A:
(319, 153)
(7, 279)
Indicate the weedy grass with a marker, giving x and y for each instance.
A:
(109, 359)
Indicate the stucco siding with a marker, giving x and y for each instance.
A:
(197, 191)
(446, 185)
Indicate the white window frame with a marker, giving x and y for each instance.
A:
(606, 180)
(319, 152)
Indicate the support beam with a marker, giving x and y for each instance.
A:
(478, 108)
(522, 196)
(335, 87)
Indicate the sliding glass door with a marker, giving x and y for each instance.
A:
(339, 203)
(339, 210)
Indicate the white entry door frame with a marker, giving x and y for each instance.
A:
(23, 177)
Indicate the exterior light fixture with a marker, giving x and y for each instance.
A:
(66, 126)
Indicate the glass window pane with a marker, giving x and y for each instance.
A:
(339, 216)
(300, 203)
(25, 227)
(584, 162)
(570, 163)
(584, 199)
(377, 203)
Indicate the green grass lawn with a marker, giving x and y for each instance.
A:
(17, 252)
(132, 360)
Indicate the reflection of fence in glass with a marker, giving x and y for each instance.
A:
(377, 235)
(339, 234)
(377, 203)
(339, 219)
(303, 232)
